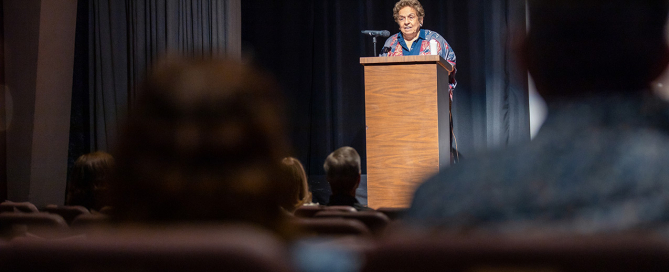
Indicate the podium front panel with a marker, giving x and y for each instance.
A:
(403, 129)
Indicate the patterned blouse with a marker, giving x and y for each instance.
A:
(395, 46)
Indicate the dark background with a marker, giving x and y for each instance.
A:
(313, 47)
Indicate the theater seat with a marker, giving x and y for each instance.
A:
(331, 226)
(310, 211)
(7, 219)
(307, 211)
(9, 206)
(18, 224)
(392, 213)
(375, 221)
(69, 213)
(90, 220)
(174, 248)
(339, 208)
(573, 254)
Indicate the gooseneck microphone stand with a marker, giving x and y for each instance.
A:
(374, 34)
(374, 40)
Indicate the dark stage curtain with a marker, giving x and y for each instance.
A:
(3, 105)
(117, 41)
(314, 47)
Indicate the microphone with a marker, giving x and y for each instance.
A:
(385, 50)
(376, 33)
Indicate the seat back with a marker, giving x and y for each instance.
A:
(577, 254)
(308, 211)
(18, 224)
(375, 221)
(9, 206)
(67, 212)
(392, 213)
(331, 226)
(219, 248)
(7, 219)
(340, 208)
(90, 220)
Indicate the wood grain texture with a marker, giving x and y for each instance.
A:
(403, 60)
(402, 118)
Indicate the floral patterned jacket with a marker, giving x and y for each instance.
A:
(395, 46)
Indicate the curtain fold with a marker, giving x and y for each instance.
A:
(124, 39)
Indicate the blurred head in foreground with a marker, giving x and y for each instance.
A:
(593, 61)
(89, 180)
(203, 144)
(297, 186)
(579, 46)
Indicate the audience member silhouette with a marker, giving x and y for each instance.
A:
(297, 186)
(342, 168)
(89, 180)
(598, 162)
(203, 143)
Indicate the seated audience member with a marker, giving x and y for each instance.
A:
(342, 168)
(89, 180)
(297, 186)
(203, 144)
(598, 162)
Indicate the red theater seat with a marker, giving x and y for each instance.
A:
(375, 221)
(331, 226)
(69, 213)
(9, 206)
(213, 248)
(574, 254)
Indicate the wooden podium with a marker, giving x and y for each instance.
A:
(407, 114)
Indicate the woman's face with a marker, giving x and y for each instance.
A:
(409, 22)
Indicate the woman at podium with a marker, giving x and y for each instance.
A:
(412, 40)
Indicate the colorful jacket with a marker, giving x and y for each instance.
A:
(395, 46)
